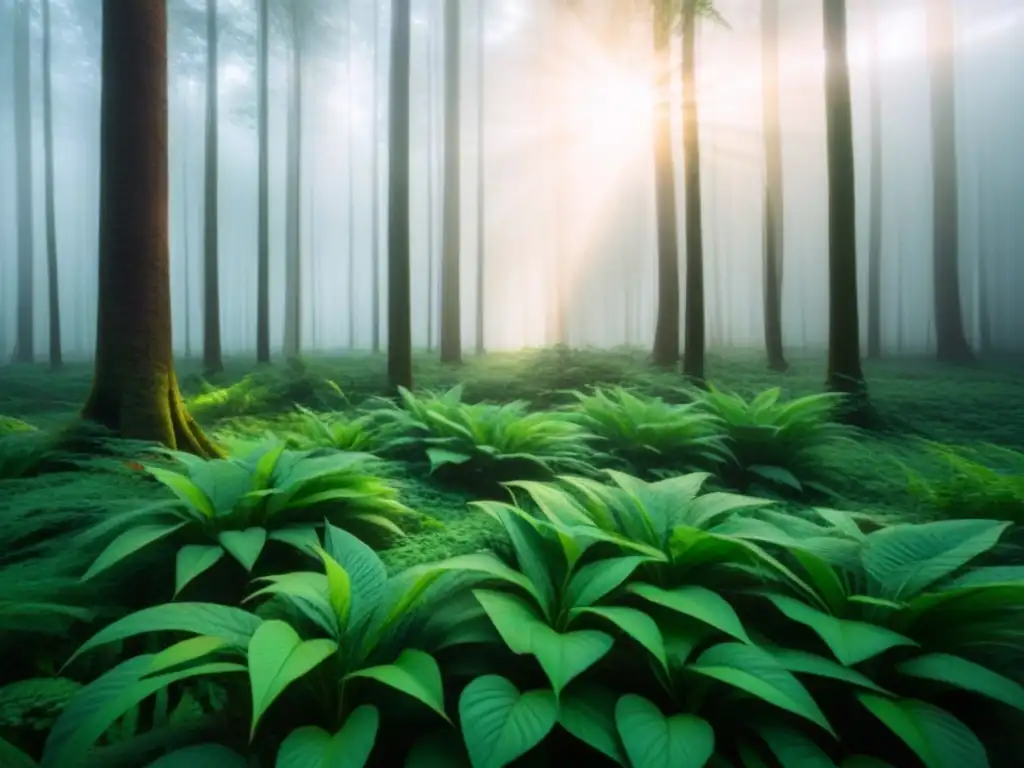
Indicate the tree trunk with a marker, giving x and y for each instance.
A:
(263, 236)
(24, 350)
(951, 341)
(135, 391)
(693, 349)
(481, 209)
(451, 304)
(666, 333)
(399, 310)
(212, 362)
(53, 288)
(844, 370)
(431, 178)
(293, 226)
(351, 188)
(774, 217)
(375, 184)
(875, 244)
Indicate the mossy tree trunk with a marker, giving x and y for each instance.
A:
(212, 362)
(135, 392)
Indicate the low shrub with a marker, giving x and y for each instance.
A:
(984, 481)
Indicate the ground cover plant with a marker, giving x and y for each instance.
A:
(600, 611)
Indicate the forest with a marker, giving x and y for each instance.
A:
(485, 383)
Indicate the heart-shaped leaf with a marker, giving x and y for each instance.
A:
(245, 546)
(655, 741)
(192, 561)
(500, 724)
(935, 736)
(415, 674)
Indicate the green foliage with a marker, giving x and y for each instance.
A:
(774, 441)
(483, 443)
(235, 506)
(646, 434)
(265, 391)
(9, 424)
(986, 482)
(339, 431)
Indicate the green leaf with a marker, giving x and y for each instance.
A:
(966, 675)
(127, 544)
(201, 756)
(440, 457)
(588, 713)
(823, 577)
(312, 747)
(186, 651)
(851, 641)
(300, 537)
(193, 560)
(277, 658)
(655, 741)
(233, 624)
(596, 580)
(500, 724)
(12, 757)
(801, 662)
(697, 602)
(366, 572)
(638, 625)
(776, 475)
(794, 749)
(935, 736)
(438, 750)
(185, 490)
(245, 546)
(339, 588)
(415, 674)
(755, 671)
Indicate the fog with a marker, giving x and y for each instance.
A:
(567, 171)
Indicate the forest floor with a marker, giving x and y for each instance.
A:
(914, 400)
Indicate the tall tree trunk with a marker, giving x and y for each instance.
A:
(431, 177)
(451, 303)
(984, 288)
(951, 341)
(24, 350)
(844, 370)
(135, 391)
(53, 289)
(399, 309)
(263, 235)
(186, 232)
(875, 244)
(774, 216)
(293, 226)
(375, 184)
(666, 332)
(693, 350)
(481, 208)
(351, 187)
(212, 362)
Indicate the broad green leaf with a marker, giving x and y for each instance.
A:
(186, 651)
(823, 577)
(300, 537)
(441, 457)
(596, 580)
(264, 469)
(233, 624)
(851, 641)
(201, 756)
(185, 490)
(245, 546)
(312, 747)
(554, 503)
(339, 588)
(224, 482)
(906, 559)
(588, 713)
(366, 572)
(304, 747)
(413, 673)
(755, 671)
(697, 602)
(935, 736)
(803, 663)
(12, 757)
(500, 724)
(655, 741)
(488, 564)
(966, 675)
(127, 544)
(794, 749)
(277, 658)
(193, 560)
(638, 625)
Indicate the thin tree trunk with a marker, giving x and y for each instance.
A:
(53, 289)
(951, 341)
(212, 362)
(984, 288)
(293, 256)
(24, 350)
(375, 184)
(187, 250)
(135, 392)
(481, 208)
(875, 244)
(844, 370)
(774, 216)
(399, 309)
(451, 299)
(666, 333)
(431, 177)
(693, 350)
(263, 236)
(351, 190)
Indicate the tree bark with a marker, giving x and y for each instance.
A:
(951, 341)
(351, 186)
(451, 284)
(375, 184)
(212, 362)
(263, 235)
(399, 310)
(774, 217)
(431, 149)
(293, 226)
(666, 333)
(481, 208)
(875, 244)
(53, 287)
(134, 391)
(24, 350)
(693, 348)
(844, 369)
